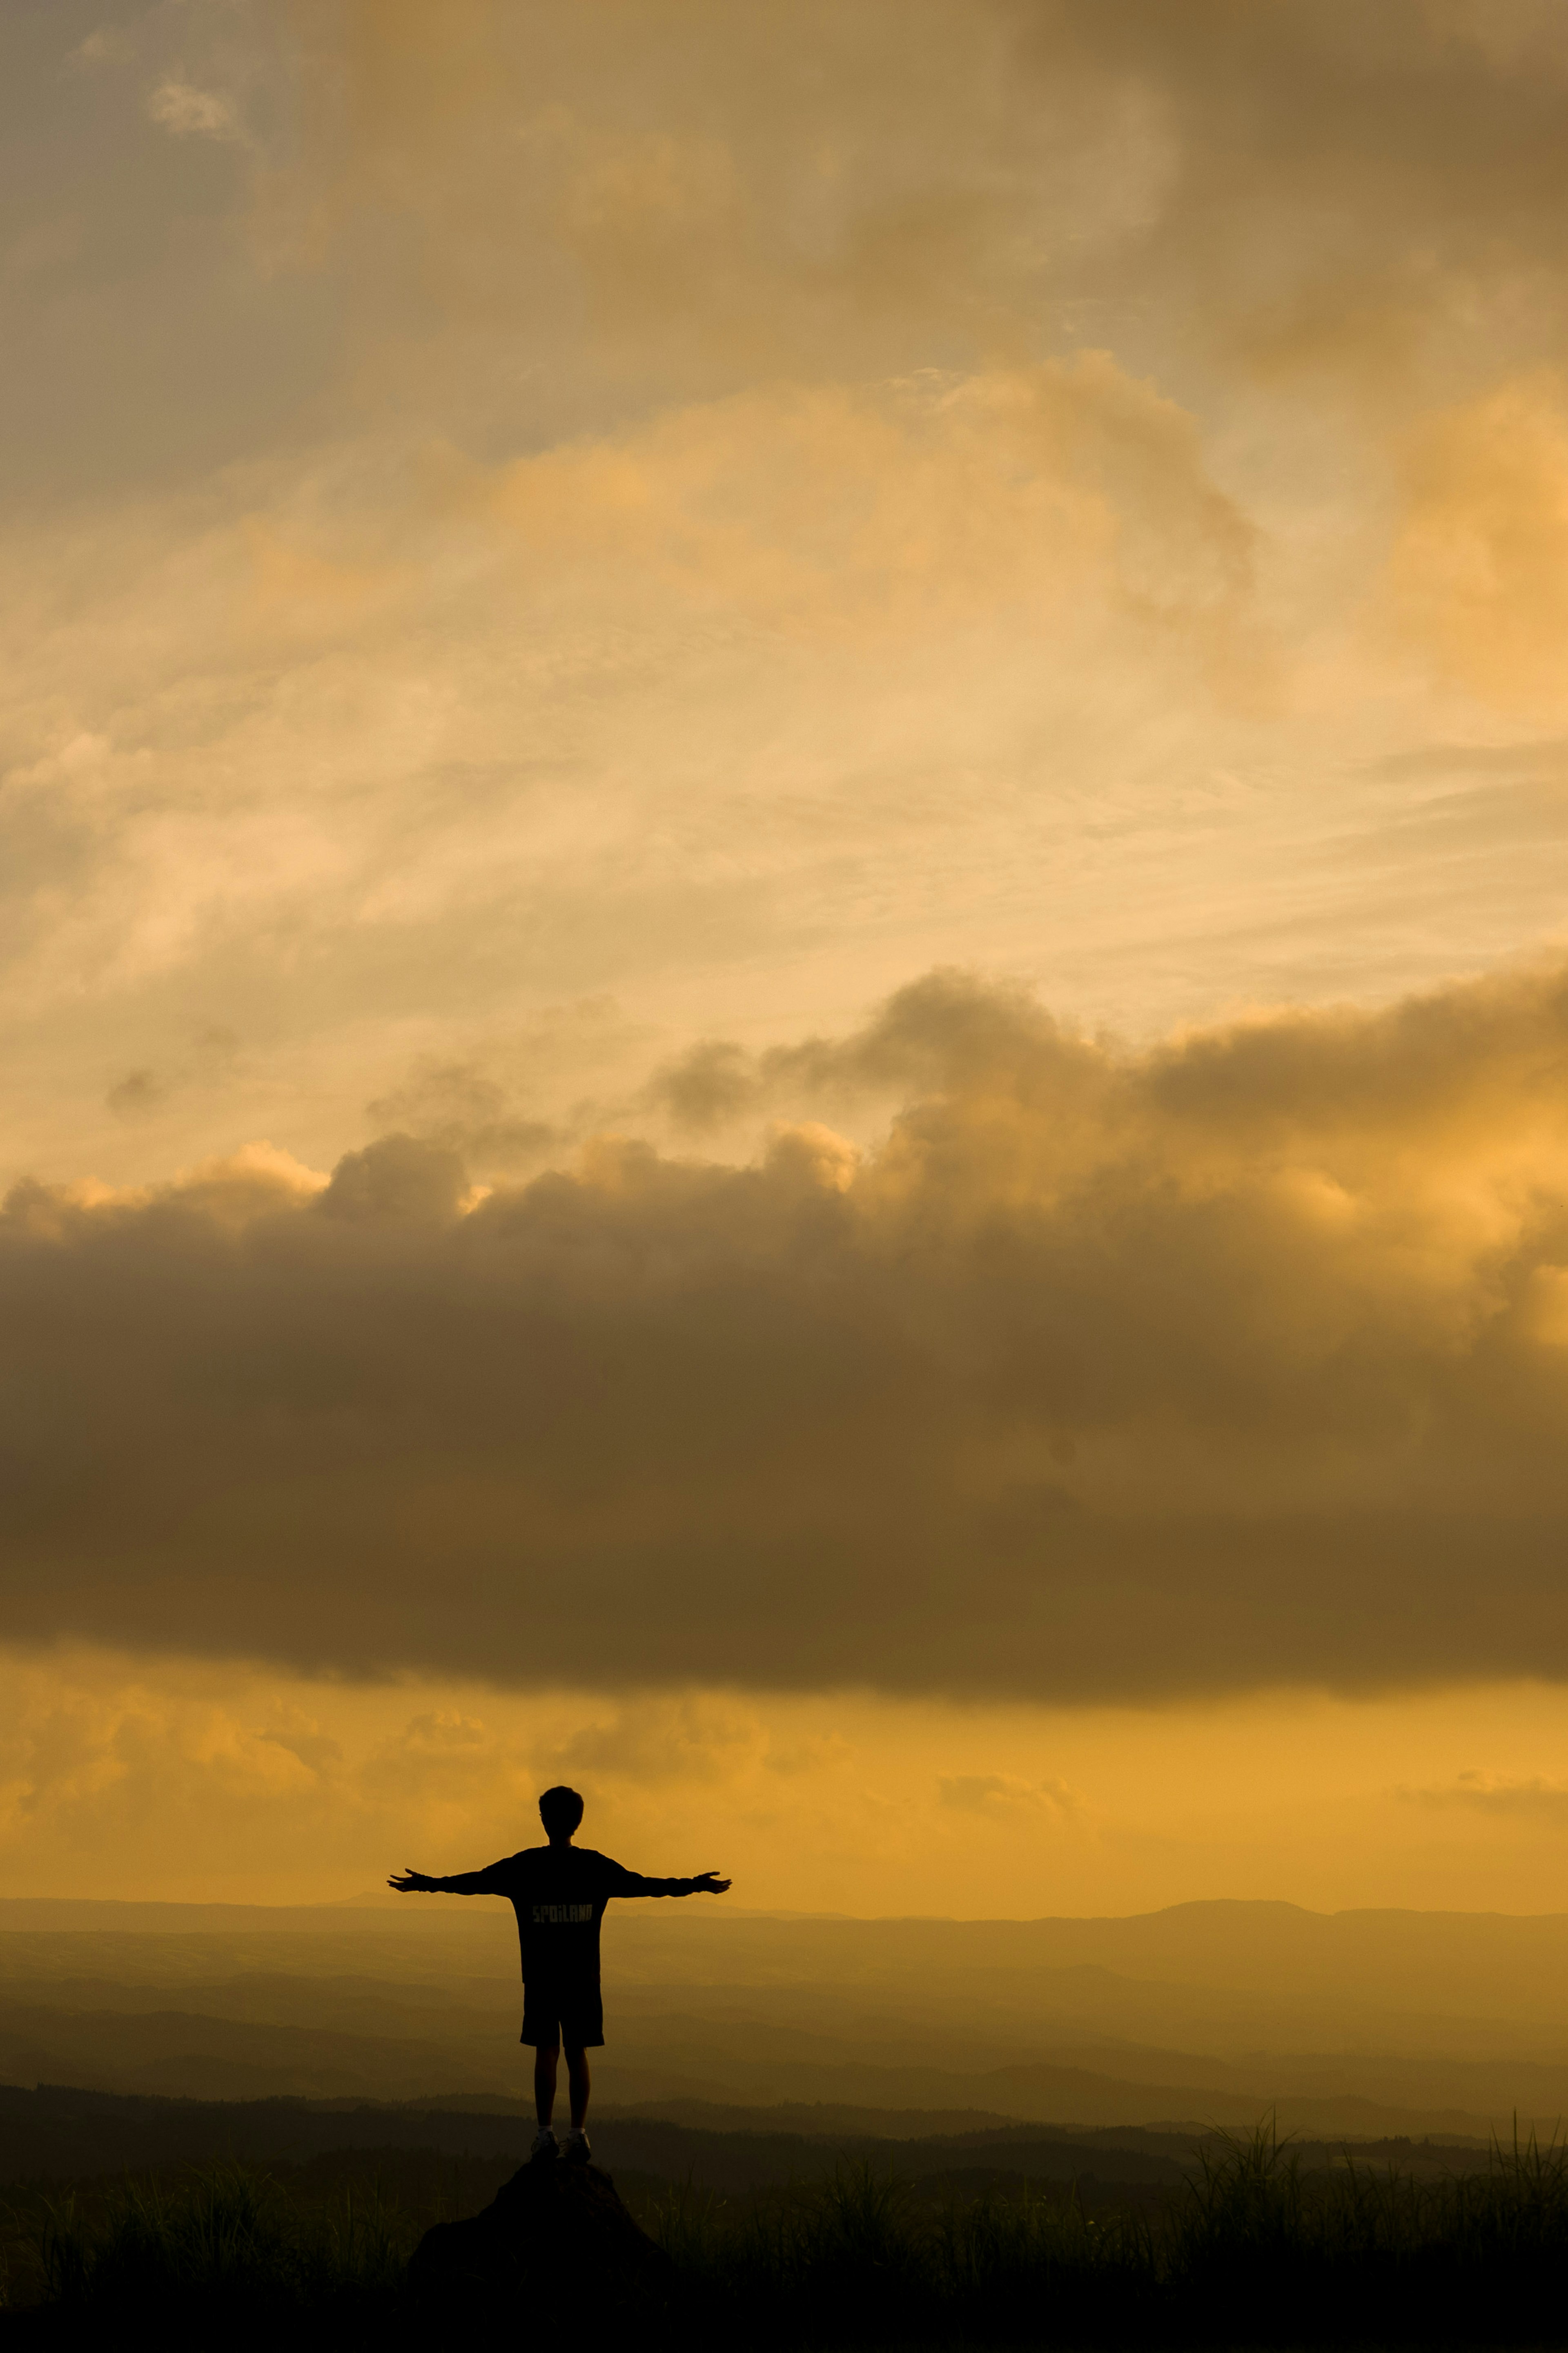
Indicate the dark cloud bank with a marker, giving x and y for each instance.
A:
(1242, 1361)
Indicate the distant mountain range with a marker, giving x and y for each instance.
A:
(1366, 2023)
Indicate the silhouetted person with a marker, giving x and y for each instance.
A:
(559, 1893)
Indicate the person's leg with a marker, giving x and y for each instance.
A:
(545, 2057)
(579, 2083)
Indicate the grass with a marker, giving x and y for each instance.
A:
(1257, 2250)
(228, 2248)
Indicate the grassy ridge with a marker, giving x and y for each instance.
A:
(1254, 2250)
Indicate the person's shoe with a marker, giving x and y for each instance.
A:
(576, 2151)
(545, 2146)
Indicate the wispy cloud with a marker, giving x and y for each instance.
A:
(1496, 1793)
(1004, 1796)
(192, 113)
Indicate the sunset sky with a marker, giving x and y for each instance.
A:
(783, 945)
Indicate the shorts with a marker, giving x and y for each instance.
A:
(571, 2014)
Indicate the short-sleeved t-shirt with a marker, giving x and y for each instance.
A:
(559, 1893)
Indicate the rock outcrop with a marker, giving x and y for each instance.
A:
(555, 2240)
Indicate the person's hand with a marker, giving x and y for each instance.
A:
(707, 1882)
(412, 1883)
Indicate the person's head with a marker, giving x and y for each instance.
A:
(561, 1811)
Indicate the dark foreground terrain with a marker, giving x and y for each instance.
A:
(274, 2221)
(58, 2132)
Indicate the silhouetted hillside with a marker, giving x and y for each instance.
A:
(56, 2132)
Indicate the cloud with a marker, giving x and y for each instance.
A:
(1316, 190)
(483, 1103)
(459, 1106)
(675, 193)
(851, 514)
(190, 112)
(208, 1067)
(934, 1033)
(662, 706)
(1530, 1796)
(734, 508)
(675, 511)
(1004, 1796)
(656, 1741)
(1103, 1376)
(1479, 569)
(136, 1095)
(143, 1091)
(118, 1777)
(100, 47)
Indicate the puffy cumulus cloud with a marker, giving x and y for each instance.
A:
(1100, 1376)
(484, 1103)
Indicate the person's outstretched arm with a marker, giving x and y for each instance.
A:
(632, 1883)
(488, 1882)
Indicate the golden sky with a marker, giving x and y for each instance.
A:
(783, 969)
